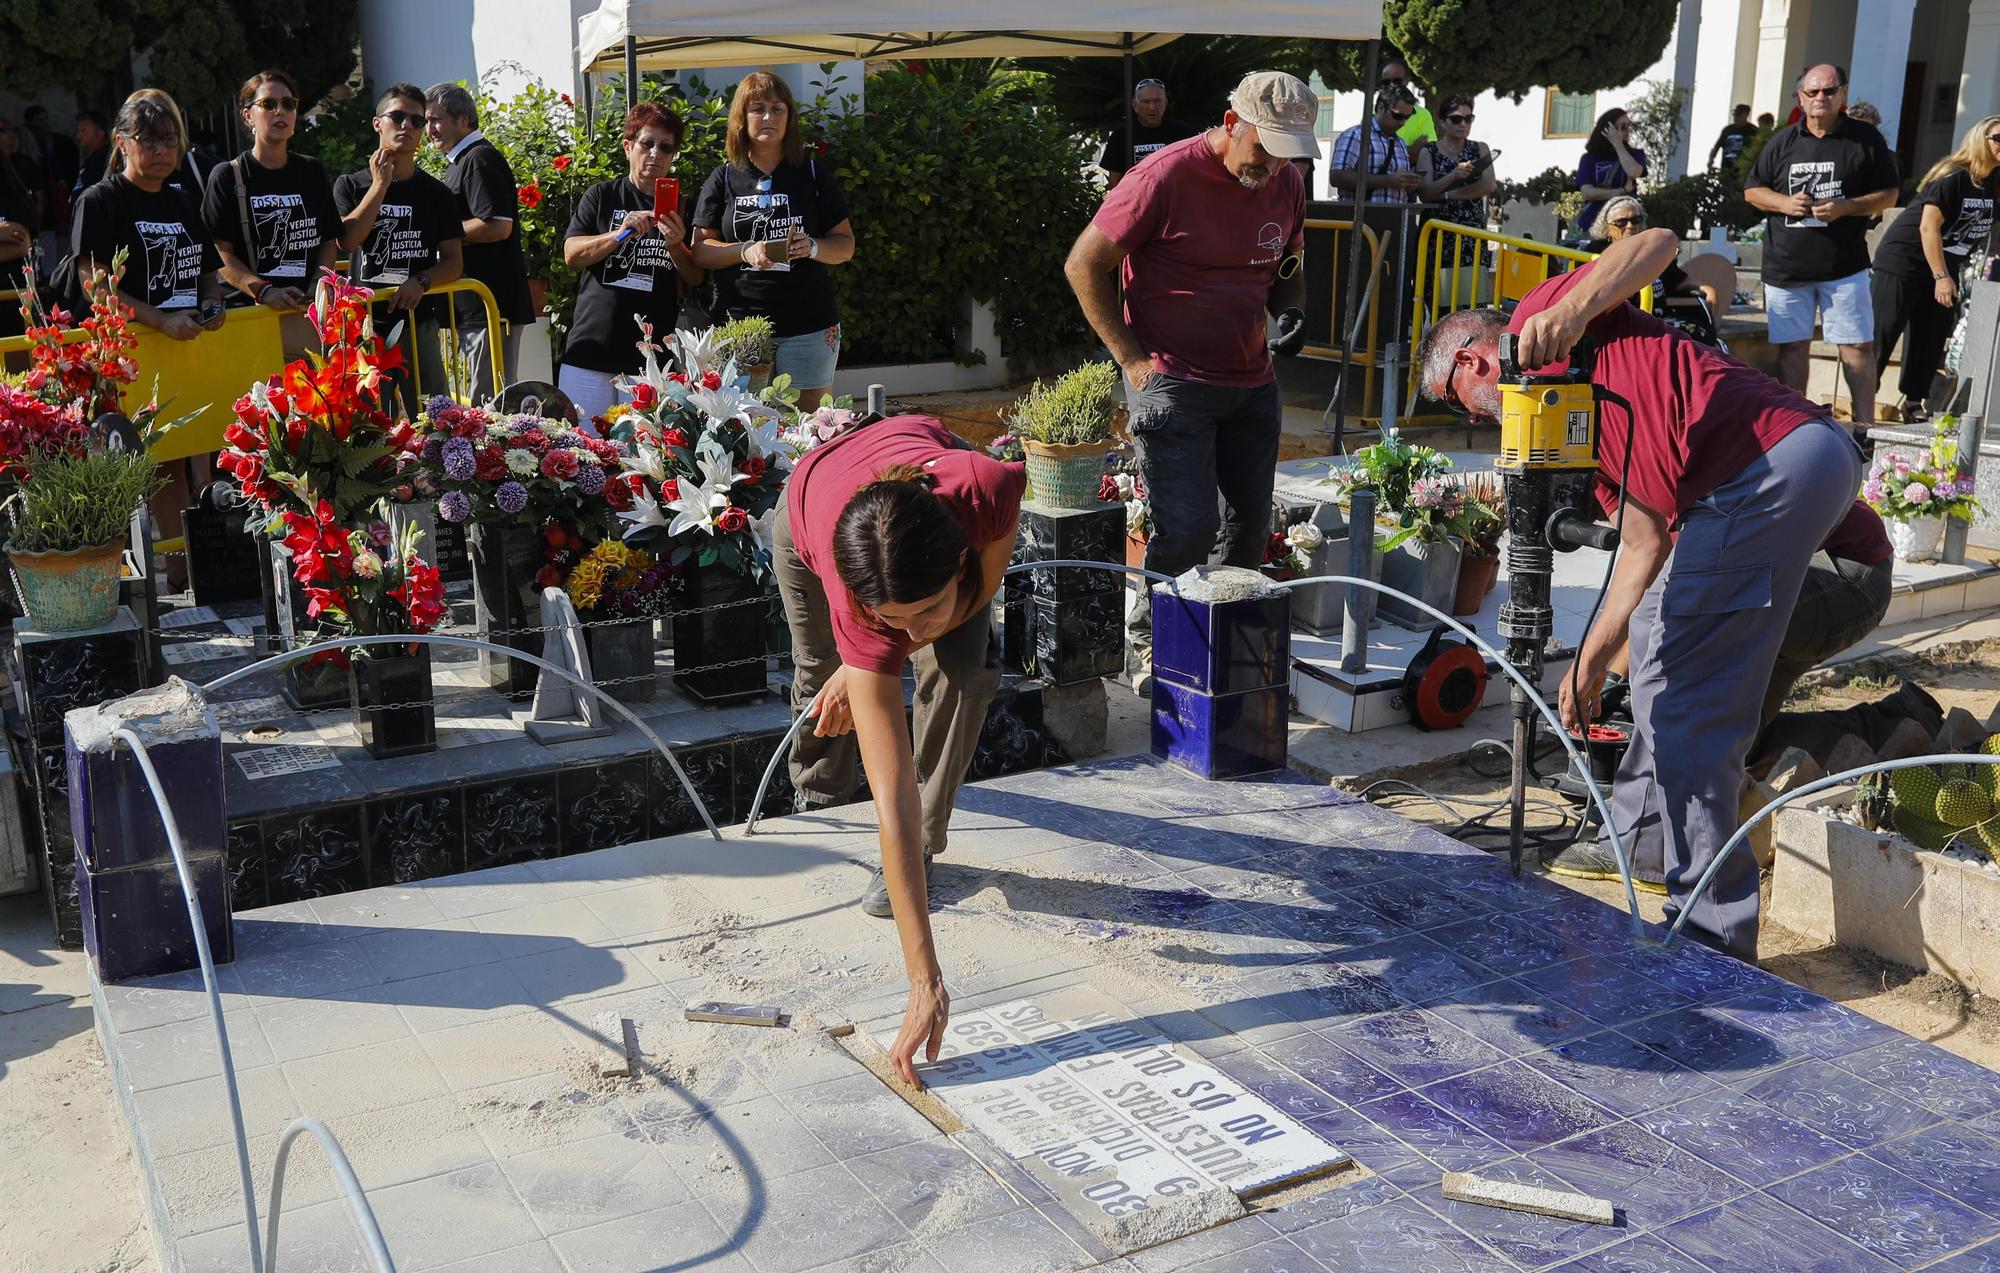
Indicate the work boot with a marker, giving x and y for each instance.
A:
(876, 900)
(1585, 861)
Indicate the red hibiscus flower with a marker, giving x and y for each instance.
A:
(560, 163)
(531, 195)
(644, 397)
(732, 519)
(559, 464)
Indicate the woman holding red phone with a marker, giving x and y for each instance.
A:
(634, 258)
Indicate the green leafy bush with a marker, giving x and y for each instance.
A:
(81, 501)
(341, 135)
(750, 341)
(1074, 410)
(1698, 200)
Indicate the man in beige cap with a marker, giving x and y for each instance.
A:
(1207, 234)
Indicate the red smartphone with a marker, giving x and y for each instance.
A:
(666, 196)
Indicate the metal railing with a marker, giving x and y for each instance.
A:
(1367, 351)
(1459, 267)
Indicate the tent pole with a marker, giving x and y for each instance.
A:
(1128, 99)
(588, 112)
(1355, 283)
(631, 73)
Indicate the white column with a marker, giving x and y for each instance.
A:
(1978, 85)
(1686, 44)
(1775, 71)
(1881, 55)
(1713, 76)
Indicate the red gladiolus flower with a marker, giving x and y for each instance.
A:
(560, 163)
(531, 195)
(732, 519)
(644, 397)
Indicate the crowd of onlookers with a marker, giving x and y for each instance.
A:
(202, 232)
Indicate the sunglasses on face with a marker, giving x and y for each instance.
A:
(277, 103)
(1458, 119)
(1400, 116)
(1828, 91)
(1626, 223)
(1994, 138)
(664, 147)
(402, 119)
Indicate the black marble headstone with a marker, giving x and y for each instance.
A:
(223, 557)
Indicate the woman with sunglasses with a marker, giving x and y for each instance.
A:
(1610, 166)
(1455, 180)
(270, 211)
(768, 224)
(170, 267)
(633, 263)
(1923, 253)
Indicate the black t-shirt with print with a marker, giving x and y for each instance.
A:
(1113, 157)
(636, 281)
(291, 216)
(417, 215)
(1848, 163)
(1734, 140)
(1967, 208)
(161, 230)
(484, 184)
(740, 205)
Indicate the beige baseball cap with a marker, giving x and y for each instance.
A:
(1283, 109)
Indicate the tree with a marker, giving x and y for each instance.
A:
(1512, 47)
(197, 52)
(1199, 72)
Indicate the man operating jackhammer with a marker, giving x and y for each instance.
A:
(1724, 483)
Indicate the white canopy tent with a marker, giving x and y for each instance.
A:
(679, 34)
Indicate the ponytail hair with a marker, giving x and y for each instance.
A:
(897, 542)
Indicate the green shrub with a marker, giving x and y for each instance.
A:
(72, 502)
(1076, 409)
(750, 341)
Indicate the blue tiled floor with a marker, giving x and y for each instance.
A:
(1738, 1122)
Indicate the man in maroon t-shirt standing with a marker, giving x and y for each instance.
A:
(1207, 233)
(1724, 483)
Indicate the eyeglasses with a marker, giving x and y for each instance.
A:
(1626, 223)
(402, 119)
(664, 147)
(1828, 91)
(276, 103)
(1400, 116)
(154, 141)
(1451, 394)
(1160, 84)
(1994, 138)
(1458, 119)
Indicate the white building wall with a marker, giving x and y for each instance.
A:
(439, 40)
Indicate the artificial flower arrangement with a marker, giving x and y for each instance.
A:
(1931, 485)
(86, 372)
(616, 581)
(1293, 548)
(1130, 490)
(828, 422)
(706, 459)
(314, 450)
(520, 468)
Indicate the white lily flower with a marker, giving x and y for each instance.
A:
(696, 507)
(649, 460)
(718, 468)
(695, 352)
(761, 531)
(724, 403)
(644, 513)
(767, 438)
(260, 397)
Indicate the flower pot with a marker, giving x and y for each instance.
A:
(505, 558)
(391, 688)
(66, 591)
(621, 658)
(1475, 579)
(1426, 570)
(1066, 476)
(1135, 550)
(719, 653)
(316, 682)
(1321, 608)
(760, 379)
(1916, 538)
(538, 295)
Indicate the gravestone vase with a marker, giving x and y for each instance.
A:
(719, 653)
(505, 558)
(391, 688)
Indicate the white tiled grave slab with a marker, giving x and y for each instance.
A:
(1109, 1113)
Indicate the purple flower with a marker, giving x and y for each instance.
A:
(433, 449)
(510, 497)
(589, 479)
(379, 532)
(438, 404)
(461, 462)
(454, 507)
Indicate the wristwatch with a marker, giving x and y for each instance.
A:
(814, 254)
(1938, 274)
(424, 277)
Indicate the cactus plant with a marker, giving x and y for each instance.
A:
(1935, 804)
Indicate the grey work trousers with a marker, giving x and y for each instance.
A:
(475, 346)
(957, 676)
(1705, 638)
(1208, 455)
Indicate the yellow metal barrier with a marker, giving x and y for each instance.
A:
(1365, 353)
(1448, 282)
